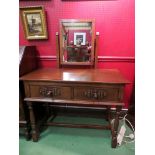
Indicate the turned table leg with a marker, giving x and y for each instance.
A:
(27, 132)
(35, 133)
(108, 113)
(115, 126)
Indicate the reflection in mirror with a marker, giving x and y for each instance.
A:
(76, 41)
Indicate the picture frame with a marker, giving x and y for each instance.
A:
(79, 36)
(34, 0)
(34, 22)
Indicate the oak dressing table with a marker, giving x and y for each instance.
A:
(68, 85)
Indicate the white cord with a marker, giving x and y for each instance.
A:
(130, 136)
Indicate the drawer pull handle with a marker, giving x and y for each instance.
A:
(95, 94)
(49, 92)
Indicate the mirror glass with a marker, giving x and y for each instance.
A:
(76, 40)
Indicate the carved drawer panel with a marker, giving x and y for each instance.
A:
(96, 93)
(50, 91)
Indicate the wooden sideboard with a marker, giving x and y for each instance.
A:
(76, 87)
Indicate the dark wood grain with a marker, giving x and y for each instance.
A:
(35, 131)
(76, 87)
(96, 51)
(27, 63)
(58, 50)
(107, 76)
(74, 102)
(115, 127)
(28, 59)
(92, 126)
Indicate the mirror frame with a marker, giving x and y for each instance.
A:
(92, 60)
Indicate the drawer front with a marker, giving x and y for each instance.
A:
(50, 91)
(97, 93)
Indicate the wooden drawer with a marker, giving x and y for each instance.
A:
(105, 93)
(49, 90)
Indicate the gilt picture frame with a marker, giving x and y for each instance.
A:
(79, 36)
(34, 22)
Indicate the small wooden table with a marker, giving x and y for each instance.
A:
(76, 87)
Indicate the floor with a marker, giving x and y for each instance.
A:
(74, 141)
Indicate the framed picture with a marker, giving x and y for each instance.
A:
(34, 22)
(79, 38)
(34, 0)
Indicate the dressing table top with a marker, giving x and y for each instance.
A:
(112, 76)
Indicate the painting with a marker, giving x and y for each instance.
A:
(79, 38)
(34, 22)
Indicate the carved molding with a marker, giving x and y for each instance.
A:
(95, 94)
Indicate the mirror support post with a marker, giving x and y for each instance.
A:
(96, 49)
(58, 50)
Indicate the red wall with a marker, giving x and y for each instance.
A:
(114, 20)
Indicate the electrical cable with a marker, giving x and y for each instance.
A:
(130, 136)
